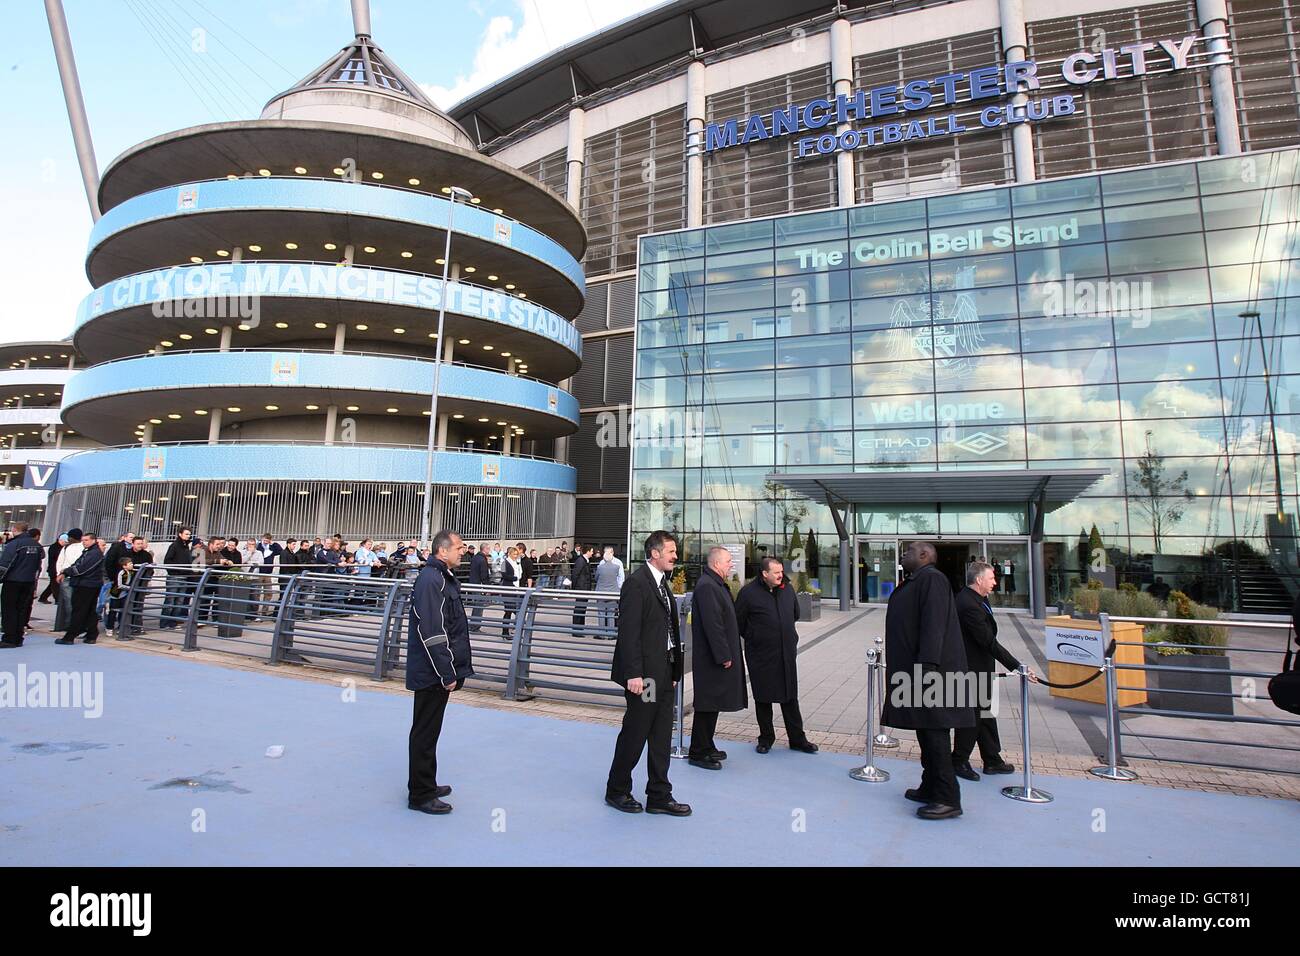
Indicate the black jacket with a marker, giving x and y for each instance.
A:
(87, 571)
(179, 552)
(643, 629)
(52, 557)
(922, 634)
(116, 552)
(20, 561)
(437, 633)
(715, 639)
(479, 570)
(582, 574)
(980, 632)
(766, 618)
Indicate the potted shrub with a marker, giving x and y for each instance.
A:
(809, 599)
(1207, 692)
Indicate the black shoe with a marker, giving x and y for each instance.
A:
(964, 770)
(916, 795)
(763, 747)
(442, 791)
(705, 763)
(9, 644)
(807, 747)
(433, 806)
(719, 755)
(670, 807)
(627, 803)
(90, 640)
(1000, 767)
(64, 640)
(938, 811)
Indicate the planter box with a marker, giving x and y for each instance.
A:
(1131, 686)
(810, 607)
(1164, 686)
(230, 610)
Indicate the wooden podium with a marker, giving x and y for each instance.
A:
(1059, 672)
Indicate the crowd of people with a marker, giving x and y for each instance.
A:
(90, 578)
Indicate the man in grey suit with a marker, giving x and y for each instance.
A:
(609, 578)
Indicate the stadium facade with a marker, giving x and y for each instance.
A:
(1011, 274)
(263, 324)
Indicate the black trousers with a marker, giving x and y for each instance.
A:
(938, 782)
(16, 608)
(644, 723)
(789, 714)
(426, 727)
(702, 728)
(51, 590)
(579, 613)
(83, 619)
(985, 732)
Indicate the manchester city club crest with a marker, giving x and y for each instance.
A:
(944, 328)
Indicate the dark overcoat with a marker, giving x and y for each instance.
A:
(643, 629)
(715, 639)
(922, 634)
(766, 618)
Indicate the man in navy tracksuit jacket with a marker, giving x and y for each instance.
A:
(86, 576)
(437, 663)
(20, 565)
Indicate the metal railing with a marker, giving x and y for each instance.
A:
(1203, 693)
(527, 640)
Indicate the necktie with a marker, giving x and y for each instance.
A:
(668, 607)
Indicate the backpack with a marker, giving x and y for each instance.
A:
(1284, 689)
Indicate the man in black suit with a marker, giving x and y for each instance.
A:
(979, 631)
(647, 665)
(581, 579)
(926, 676)
(480, 572)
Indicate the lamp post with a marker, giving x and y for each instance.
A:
(425, 525)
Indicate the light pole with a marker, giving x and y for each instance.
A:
(425, 525)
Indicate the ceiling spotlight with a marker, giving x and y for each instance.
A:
(233, 408)
(392, 411)
(330, 246)
(264, 172)
(223, 252)
(354, 408)
(166, 343)
(196, 259)
(320, 325)
(369, 248)
(300, 170)
(458, 415)
(463, 341)
(413, 181)
(362, 327)
(406, 254)
(211, 331)
(376, 175)
(173, 415)
(282, 325)
(312, 408)
(272, 408)
(399, 331)
(254, 248)
(186, 336)
(470, 269)
(200, 411)
(291, 245)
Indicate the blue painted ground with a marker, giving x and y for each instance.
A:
(77, 791)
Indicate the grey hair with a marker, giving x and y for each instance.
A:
(442, 540)
(714, 551)
(975, 569)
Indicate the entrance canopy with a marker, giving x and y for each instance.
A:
(1055, 487)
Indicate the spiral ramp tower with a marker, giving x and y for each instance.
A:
(262, 327)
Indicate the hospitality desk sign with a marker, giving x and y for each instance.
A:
(1074, 645)
(966, 89)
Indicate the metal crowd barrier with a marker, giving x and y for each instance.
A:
(525, 639)
(1114, 769)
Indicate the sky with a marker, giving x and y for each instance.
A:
(151, 66)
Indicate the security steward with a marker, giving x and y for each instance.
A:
(437, 664)
(85, 577)
(20, 566)
(716, 662)
(647, 665)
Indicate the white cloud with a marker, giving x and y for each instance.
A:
(540, 26)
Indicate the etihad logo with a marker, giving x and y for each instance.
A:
(980, 443)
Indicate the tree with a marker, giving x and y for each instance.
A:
(1164, 498)
(789, 510)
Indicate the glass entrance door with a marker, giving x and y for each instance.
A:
(877, 566)
(1010, 560)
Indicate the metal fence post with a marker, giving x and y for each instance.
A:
(883, 740)
(191, 642)
(283, 620)
(680, 750)
(385, 633)
(1112, 770)
(868, 772)
(519, 647)
(1026, 792)
(124, 623)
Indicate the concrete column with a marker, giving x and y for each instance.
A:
(58, 438)
(448, 349)
(9, 480)
(842, 78)
(505, 442)
(1213, 17)
(348, 252)
(1015, 46)
(72, 360)
(214, 425)
(237, 254)
(331, 423)
(696, 99)
(204, 516)
(443, 422)
(340, 337)
(575, 156)
(147, 437)
(226, 333)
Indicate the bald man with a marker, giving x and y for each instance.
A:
(716, 661)
(926, 676)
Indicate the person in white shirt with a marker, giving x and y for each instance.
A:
(67, 558)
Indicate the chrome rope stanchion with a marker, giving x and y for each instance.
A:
(1026, 792)
(883, 740)
(1112, 770)
(679, 750)
(868, 772)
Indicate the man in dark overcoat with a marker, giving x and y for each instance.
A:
(766, 612)
(928, 687)
(716, 661)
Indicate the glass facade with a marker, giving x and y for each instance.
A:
(1144, 321)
